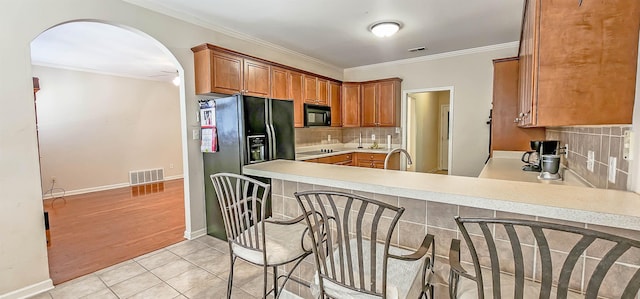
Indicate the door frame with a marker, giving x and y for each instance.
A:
(445, 121)
(405, 119)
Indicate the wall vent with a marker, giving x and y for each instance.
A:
(141, 177)
(418, 49)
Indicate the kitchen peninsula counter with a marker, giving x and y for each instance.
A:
(612, 208)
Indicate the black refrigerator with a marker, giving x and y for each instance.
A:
(250, 130)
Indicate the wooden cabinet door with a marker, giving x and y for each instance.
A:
(505, 133)
(527, 75)
(351, 104)
(323, 92)
(279, 84)
(296, 92)
(369, 105)
(257, 78)
(579, 64)
(388, 107)
(226, 73)
(310, 89)
(335, 103)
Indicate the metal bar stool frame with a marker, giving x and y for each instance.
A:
(324, 213)
(588, 237)
(239, 198)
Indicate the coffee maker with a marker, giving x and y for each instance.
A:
(541, 150)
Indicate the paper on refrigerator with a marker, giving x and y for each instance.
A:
(208, 134)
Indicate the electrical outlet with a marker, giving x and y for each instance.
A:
(612, 169)
(566, 150)
(590, 160)
(196, 134)
(329, 137)
(397, 130)
(171, 166)
(373, 137)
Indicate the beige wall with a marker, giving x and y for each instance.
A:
(94, 129)
(23, 262)
(471, 76)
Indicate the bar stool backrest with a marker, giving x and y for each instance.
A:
(482, 239)
(243, 204)
(346, 231)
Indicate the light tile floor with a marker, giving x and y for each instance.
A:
(190, 269)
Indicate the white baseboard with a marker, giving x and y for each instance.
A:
(101, 188)
(195, 234)
(28, 291)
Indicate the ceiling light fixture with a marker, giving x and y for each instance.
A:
(385, 29)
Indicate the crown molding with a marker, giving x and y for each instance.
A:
(193, 19)
(88, 70)
(438, 56)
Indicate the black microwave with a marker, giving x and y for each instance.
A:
(316, 115)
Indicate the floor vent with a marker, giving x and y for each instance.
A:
(141, 177)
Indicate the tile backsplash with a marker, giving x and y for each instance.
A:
(605, 142)
(351, 135)
(320, 135)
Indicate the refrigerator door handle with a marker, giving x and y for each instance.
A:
(272, 142)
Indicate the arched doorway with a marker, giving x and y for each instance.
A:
(100, 126)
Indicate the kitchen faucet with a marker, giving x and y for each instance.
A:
(386, 159)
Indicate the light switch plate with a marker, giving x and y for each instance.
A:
(196, 134)
(373, 136)
(590, 160)
(612, 169)
(626, 145)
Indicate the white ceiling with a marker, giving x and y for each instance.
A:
(332, 31)
(102, 48)
(336, 31)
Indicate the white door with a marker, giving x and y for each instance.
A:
(443, 160)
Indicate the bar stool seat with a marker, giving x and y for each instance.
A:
(279, 246)
(467, 288)
(403, 277)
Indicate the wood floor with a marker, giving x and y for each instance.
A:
(96, 230)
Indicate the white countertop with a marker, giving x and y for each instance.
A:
(588, 205)
(507, 166)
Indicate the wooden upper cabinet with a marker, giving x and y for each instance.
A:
(222, 72)
(336, 104)
(505, 133)
(257, 78)
(217, 72)
(369, 105)
(351, 104)
(296, 92)
(381, 103)
(310, 89)
(279, 83)
(323, 92)
(389, 103)
(578, 62)
(316, 90)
